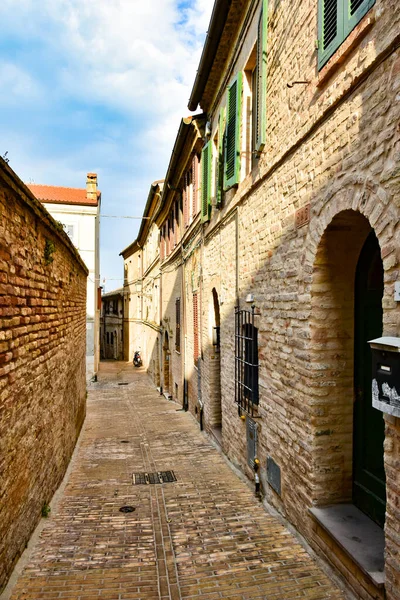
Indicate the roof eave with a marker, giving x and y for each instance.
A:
(181, 138)
(216, 27)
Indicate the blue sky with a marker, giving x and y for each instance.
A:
(98, 86)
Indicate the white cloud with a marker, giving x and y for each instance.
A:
(20, 86)
(125, 66)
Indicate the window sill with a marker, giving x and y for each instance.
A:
(341, 54)
(357, 535)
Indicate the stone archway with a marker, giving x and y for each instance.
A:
(332, 343)
(336, 355)
(157, 364)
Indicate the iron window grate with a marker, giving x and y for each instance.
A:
(246, 361)
(156, 477)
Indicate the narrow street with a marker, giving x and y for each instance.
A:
(202, 536)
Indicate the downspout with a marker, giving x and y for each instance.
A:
(160, 349)
(237, 256)
(183, 334)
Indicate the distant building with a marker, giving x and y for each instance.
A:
(111, 325)
(78, 209)
(142, 289)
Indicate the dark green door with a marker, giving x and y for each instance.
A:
(369, 489)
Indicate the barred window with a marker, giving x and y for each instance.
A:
(246, 361)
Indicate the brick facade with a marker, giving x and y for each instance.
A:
(42, 370)
(287, 238)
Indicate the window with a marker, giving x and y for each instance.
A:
(112, 338)
(232, 133)
(336, 19)
(206, 181)
(195, 329)
(162, 243)
(108, 337)
(195, 184)
(219, 170)
(71, 231)
(246, 361)
(178, 325)
(259, 83)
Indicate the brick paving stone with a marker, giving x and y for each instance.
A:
(203, 536)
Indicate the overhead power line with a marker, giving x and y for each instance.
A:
(122, 217)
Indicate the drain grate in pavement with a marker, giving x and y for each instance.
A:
(153, 478)
(127, 509)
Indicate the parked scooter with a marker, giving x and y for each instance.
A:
(137, 359)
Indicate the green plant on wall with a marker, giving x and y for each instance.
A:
(45, 510)
(49, 249)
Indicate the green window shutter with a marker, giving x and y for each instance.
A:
(261, 80)
(206, 182)
(330, 28)
(220, 166)
(355, 10)
(232, 142)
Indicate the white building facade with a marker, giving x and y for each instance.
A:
(78, 210)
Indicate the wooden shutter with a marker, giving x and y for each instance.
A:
(177, 224)
(220, 167)
(178, 325)
(336, 19)
(354, 12)
(330, 28)
(232, 142)
(205, 182)
(195, 184)
(261, 81)
(185, 204)
(162, 244)
(195, 329)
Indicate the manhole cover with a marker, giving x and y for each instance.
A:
(153, 478)
(127, 509)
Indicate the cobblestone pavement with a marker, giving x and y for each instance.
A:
(204, 536)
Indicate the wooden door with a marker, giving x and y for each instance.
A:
(369, 489)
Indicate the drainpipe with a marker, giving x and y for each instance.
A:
(237, 255)
(160, 349)
(183, 329)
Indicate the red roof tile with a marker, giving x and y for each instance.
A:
(62, 195)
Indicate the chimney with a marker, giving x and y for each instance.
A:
(91, 187)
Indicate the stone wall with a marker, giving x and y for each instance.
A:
(333, 147)
(194, 371)
(172, 368)
(42, 361)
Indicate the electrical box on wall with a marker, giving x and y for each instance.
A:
(386, 375)
(251, 436)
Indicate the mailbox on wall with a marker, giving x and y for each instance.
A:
(386, 375)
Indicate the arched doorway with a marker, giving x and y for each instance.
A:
(157, 364)
(369, 490)
(346, 291)
(215, 418)
(166, 365)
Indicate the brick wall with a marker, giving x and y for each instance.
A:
(42, 361)
(335, 147)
